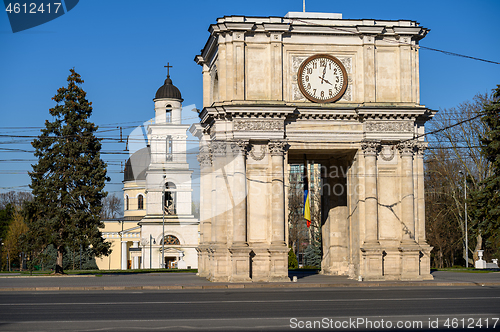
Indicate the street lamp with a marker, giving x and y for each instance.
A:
(163, 230)
(466, 238)
(151, 242)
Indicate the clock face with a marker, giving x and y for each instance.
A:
(322, 78)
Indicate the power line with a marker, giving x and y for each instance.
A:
(403, 43)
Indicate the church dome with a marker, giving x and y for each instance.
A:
(168, 90)
(137, 165)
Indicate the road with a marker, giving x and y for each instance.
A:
(250, 309)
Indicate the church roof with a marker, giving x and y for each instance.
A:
(137, 165)
(168, 90)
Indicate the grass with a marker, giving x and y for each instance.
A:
(465, 270)
(100, 273)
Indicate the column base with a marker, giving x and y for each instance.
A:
(372, 262)
(219, 267)
(260, 263)
(203, 261)
(279, 263)
(425, 262)
(392, 264)
(410, 261)
(240, 264)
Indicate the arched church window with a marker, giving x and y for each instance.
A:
(169, 200)
(169, 149)
(168, 114)
(126, 203)
(140, 202)
(171, 240)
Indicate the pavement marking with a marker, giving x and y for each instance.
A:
(257, 301)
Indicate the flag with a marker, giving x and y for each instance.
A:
(307, 208)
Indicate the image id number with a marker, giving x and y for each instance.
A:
(33, 8)
(470, 323)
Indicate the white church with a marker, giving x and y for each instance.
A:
(158, 229)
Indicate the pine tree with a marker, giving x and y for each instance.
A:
(68, 181)
(485, 202)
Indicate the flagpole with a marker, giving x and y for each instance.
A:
(304, 6)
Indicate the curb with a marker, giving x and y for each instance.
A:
(248, 286)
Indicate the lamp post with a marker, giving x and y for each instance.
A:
(465, 214)
(150, 251)
(163, 230)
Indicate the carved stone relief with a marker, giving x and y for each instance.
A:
(258, 152)
(385, 126)
(264, 125)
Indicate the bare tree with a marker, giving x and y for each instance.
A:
(111, 207)
(15, 198)
(454, 146)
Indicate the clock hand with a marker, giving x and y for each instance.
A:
(323, 77)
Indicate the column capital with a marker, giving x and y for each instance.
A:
(420, 148)
(219, 148)
(205, 156)
(406, 148)
(240, 146)
(371, 148)
(277, 148)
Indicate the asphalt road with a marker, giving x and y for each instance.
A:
(252, 309)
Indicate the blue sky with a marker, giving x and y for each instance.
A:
(120, 48)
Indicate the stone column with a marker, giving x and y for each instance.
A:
(407, 191)
(124, 255)
(410, 252)
(240, 252)
(278, 250)
(370, 150)
(277, 150)
(136, 258)
(425, 249)
(205, 160)
(219, 252)
(372, 253)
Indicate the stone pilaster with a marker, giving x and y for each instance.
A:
(278, 251)
(425, 249)
(372, 253)
(205, 160)
(219, 254)
(240, 252)
(410, 251)
(406, 150)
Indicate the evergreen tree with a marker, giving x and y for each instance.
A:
(292, 260)
(68, 181)
(485, 202)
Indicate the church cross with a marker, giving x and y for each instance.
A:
(168, 66)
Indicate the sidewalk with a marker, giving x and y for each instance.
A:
(176, 281)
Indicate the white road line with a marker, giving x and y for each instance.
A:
(257, 301)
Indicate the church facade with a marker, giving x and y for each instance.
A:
(158, 229)
(312, 86)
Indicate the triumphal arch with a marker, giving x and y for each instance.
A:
(343, 92)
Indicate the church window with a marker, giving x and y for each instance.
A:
(168, 114)
(169, 148)
(171, 240)
(126, 203)
(140, 202)
(169, 200)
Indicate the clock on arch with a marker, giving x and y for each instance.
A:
(322, 78)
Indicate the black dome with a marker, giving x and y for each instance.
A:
(137, 165)
(168, 90)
